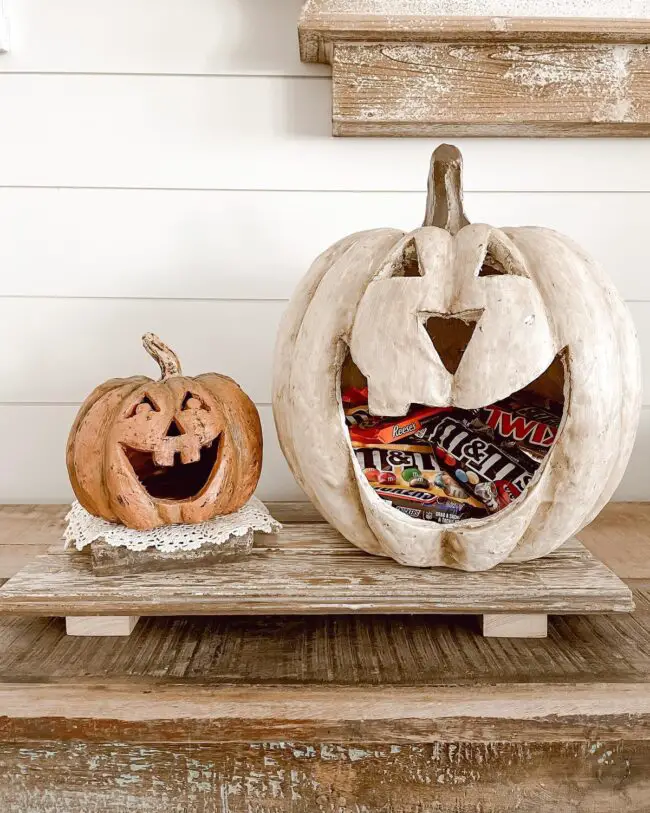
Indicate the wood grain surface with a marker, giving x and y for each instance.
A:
(423, 71)
(327, 714)
(311, 569)
(491, 90)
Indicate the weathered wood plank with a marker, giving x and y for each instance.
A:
(316, 578)
(229, 713)
(325, 777)
(109, 560)
(495, 89)
(434, 68)
(331, 650)
(324, 22)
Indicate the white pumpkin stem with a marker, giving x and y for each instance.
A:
(445, 190)
(166, 358)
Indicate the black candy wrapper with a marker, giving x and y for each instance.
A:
(495, 475)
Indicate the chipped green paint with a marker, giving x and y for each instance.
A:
(274, 777)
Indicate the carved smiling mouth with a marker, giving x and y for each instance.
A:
(180, 481)
(458, 466)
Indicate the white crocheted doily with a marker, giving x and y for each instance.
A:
(84, 528)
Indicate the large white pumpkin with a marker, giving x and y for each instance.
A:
(538, 306)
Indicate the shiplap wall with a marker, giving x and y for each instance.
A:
(166, 165)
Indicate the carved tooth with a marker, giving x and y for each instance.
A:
(163, 456)
(191, 451)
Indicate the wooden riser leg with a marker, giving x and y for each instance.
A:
(520, 625)
(97, 625)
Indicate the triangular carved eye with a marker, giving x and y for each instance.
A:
(491, 267)
(502, 258)
(407, 264)
(191, 401)
(145, 405)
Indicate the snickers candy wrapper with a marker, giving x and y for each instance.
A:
(410, 478)
(493, 474)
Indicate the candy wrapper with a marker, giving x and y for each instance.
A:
(442, 464)
(368, 429)
(410, 478)
(532, 428)
(494, 475)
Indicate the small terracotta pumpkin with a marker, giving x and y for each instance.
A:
(148, 453)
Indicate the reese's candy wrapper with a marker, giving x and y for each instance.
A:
(367, 429)
(494, 475)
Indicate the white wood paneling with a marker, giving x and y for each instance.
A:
(147, 243)
(63, 348)
(36, 472)
(259, 133)
(201, 150)
(195, 36)
(156, 36)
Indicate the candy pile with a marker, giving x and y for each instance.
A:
(444, 464)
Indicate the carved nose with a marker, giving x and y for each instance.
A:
(175, 429)
(450, 336)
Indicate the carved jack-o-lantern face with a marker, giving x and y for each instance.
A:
(177, 450)
(458, 315)
(170, 436)
(438, 337)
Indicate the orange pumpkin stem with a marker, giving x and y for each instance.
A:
(166, 358)
(445, 190)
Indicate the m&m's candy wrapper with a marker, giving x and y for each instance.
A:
(479, 463)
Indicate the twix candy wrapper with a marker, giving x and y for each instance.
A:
(410, 478)
(532, 427)
(494, 475)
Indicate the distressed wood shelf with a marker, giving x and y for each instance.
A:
(310, 569)
(491, 68)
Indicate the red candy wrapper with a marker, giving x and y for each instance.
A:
(365, 428)
(532, 427)
(354, 396)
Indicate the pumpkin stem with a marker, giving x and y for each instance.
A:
(166, 358)
(445, 190)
